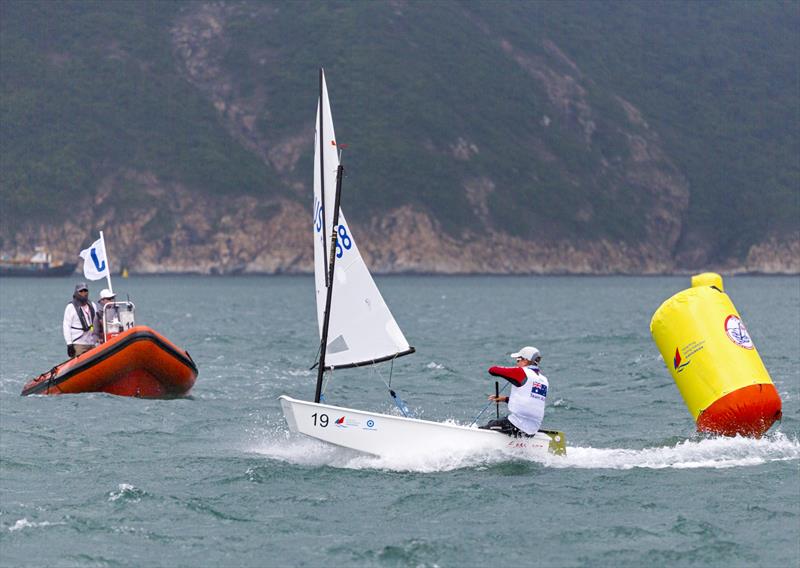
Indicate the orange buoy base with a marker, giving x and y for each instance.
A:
(748, 411)
(138, 362)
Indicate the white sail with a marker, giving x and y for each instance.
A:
(326, 162)
(361, 329)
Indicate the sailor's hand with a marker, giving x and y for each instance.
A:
(494, 398)
(70, 350)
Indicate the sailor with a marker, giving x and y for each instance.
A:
(528, 394)
(78, 322)
(106, 296)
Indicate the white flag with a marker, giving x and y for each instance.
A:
(95, 264)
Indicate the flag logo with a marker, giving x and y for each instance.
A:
(100, 265)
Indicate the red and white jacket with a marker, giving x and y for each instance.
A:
(528, 395)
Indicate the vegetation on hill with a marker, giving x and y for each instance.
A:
(718, 80)
(89, 88)
(428, 100)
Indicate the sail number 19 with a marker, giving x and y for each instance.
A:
(321, 421)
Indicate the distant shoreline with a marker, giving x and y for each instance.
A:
(724, 273)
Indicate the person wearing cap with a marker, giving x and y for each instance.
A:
(528, 394)
(78, 325)
(106, 296)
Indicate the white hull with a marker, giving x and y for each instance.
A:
(384, 435)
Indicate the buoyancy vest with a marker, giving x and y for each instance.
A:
(85, 326)
(526, 402)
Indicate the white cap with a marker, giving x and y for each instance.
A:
(529, 353)
(106, 294)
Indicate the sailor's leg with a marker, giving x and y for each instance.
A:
(503, 425)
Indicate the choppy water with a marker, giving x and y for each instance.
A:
(216, 480)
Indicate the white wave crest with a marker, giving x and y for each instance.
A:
(703, 453)
(125, 490)
(25, 524)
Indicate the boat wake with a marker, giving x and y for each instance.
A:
(714, 453)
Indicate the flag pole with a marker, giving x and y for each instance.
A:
(108, 262)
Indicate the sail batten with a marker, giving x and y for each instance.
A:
(361, 329)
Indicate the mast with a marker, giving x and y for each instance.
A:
(322, 164)
(108, 265)
(329, 279)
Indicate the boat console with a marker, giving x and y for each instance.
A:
(117, 317)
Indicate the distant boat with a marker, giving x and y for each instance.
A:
(39, 264)
(139, 362)
(132, 361)
(364, 333)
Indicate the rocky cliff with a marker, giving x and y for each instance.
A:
(181, 233)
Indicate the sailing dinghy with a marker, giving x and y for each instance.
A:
(357, 329)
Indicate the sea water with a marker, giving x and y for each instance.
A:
(216, 479)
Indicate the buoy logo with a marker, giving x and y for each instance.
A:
(677, 361)
(682, 359)
(737, 332)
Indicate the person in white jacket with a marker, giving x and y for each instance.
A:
(78, 323)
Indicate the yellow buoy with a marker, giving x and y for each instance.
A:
(713, 360)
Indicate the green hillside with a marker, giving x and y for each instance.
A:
(403, 87)
(93, 88)
(719, 81)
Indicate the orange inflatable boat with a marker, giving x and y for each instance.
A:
(137, 362)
